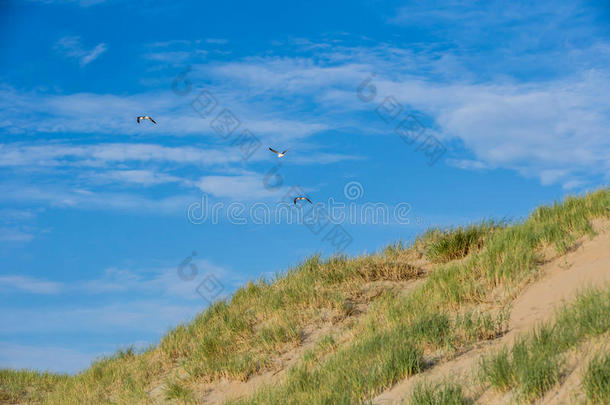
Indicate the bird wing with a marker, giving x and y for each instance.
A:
(138, 119)
(284, 152)
(273, 150)
(302, 198)
(153, 121)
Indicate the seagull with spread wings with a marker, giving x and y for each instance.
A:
(279, 154)
(301, 198)
(145, 117)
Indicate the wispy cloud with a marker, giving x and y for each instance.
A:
(527, 123)
(163, 282)
(142, 178)
(146, 299)
(176, 57)
(180, 51)
(85, 199)
(29, 284)
(11, 214)
(554, 129)
(155, 282)
(245, 186)
(112, 114)
(467, 164)
(43, 357)
(81, 3)
(101, 154)
(218, 41)
(16, 225)
(72, 47)
(136, 301)
(15, 235)
(83, 175)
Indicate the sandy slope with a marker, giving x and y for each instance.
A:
(561, 279)
(224, 390)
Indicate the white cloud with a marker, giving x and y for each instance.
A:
(93, 54)
(557, 125)
(467, 164)
(159, 282)
(89, 200)
(574, 184)
(15, 225)
(218, 41)
(176, 57)
(71, 47)
(15, 235)
(164, 299)
(113, 114)
(54, 154)
(13, 215)
(138, 177)
(142, 317)
(152, 316)
(82, 173)
(29, 284)
(556, 130)
(81, 3)
(246, 186)
(43, 357)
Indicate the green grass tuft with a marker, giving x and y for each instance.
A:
(439, 394)
(534, 365)
(596, 380)
(27, 386)
(444, 246)
(175, 390)
(350, 374)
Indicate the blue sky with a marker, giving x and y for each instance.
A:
(94, 219)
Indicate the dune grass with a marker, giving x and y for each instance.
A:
(377, 358)
(508, 259)
(239, 337)
(596, 380)
(535, 363)
(27, 385)
(456, 243)
(383, 352)
(121, 378)
(175, 390)
(443, 393)
(350, 372)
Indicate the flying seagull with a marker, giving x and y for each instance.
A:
(278, 153)
(145, 117)
(301, 198)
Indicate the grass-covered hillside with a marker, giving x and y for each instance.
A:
(344, 329)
